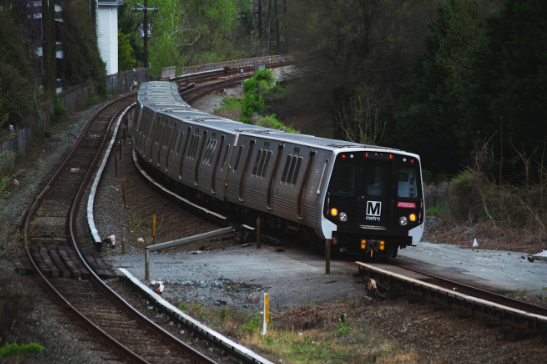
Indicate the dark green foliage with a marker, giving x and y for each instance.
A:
(16, 73)
(256, 90)
(428, 124)
(355, 50)
(507, 98)
(127, 22)
(126, 59)
(82, 61)
(483, 79)
(59, 111)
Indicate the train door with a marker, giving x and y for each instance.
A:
(373, 194)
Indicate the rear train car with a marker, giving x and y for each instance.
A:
(367, 199)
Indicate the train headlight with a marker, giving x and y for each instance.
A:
(334, 211)
(403, 220)
(412, 217)
(343, 217)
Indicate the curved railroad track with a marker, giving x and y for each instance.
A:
(72, 274)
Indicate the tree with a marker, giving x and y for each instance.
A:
(126, 60)
(82, 61)
(355, 49)
(433, 103)
(16, 73)
(509, 84)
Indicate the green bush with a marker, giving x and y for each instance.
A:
(14, 349)
(253, 325)
(59, 111)
(271, 122)
(256, 90)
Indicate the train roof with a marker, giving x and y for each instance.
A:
(164, 97)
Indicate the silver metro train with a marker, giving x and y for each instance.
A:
(367, 199)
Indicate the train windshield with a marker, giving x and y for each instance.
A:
(374, 179)
(343, 181)
(408, 183)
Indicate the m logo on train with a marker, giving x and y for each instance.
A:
(374, 210)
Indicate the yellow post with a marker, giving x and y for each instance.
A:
(266, 312)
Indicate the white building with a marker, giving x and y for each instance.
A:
(107, 33)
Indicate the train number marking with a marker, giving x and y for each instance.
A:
(374, 210)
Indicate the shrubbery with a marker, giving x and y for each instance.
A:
(257, 90)
(271, 122)
(475, 196)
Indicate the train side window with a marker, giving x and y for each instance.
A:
(296, 171)
(286, 168)
(257, 160)
(179, 147)
(322, 176)
(408, 183)
(238, 158)
(174, 141)
(292, 168)
(191, 146)
(266, 162)
(225, 157)
(343, 178)
(261, 164)
(207, 151)
(210, 152)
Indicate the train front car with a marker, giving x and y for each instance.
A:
(375, 198)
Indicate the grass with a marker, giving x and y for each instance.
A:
(519, 292)
(143, 229)
(439, 211)
(340, 340)
(230, 104)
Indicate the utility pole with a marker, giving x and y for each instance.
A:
(146, 29)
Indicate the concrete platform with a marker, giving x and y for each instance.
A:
(540, 256)
(240, 276)
(501, 271)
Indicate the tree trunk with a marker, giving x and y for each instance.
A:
(285, 26)
(269, 27)
(259, 27)
(276, 28)
(50, 68)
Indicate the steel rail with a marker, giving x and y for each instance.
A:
(117, 346)
(193, 94)
(494, 297)
(106, 338)
(122, 303)
(475, 303)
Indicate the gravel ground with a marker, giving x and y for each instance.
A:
(432, 333)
